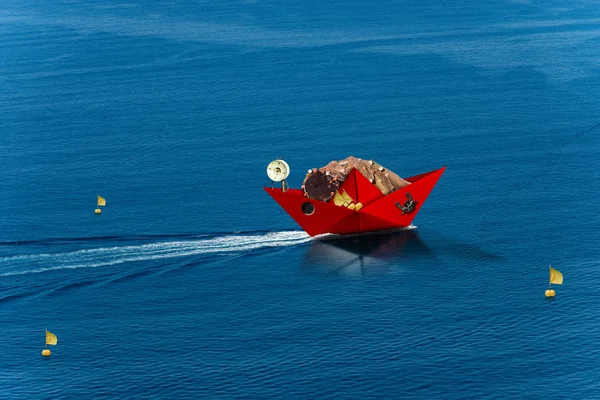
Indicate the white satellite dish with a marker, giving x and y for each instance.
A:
(278, 170)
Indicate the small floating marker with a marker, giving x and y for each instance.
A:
(556, 278)
(101, 203)
(50, 340)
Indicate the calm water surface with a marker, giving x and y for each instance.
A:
(193, 283)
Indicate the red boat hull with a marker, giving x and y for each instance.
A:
(379, 212)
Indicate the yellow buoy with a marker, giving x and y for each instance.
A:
(51, 339)
(555, 277)
(98, 211)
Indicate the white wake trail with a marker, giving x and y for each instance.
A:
(110, 256)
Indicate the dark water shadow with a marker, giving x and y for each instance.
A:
(453, 248)
(365, 254)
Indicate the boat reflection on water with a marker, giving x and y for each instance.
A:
(365, 254)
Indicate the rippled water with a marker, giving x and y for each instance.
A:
(193, 283)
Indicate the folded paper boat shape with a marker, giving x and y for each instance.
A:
(376, 212)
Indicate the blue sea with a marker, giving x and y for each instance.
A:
(194, 284)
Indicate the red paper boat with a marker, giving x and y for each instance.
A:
(379, 212)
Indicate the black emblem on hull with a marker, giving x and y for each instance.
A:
(409, 205)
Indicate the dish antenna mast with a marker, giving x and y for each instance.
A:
(278, 170)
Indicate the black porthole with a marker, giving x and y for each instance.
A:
(308, 208)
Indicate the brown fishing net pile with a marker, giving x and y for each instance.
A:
(322, 183)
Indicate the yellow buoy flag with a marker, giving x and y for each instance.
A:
(51, 338)
(555, 277)
(101, 201)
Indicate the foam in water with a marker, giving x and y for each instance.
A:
(109, 256)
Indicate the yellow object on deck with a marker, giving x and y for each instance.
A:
(555, 277)
(338, 200)
(347, 197)
(101, 201)
(342, 199)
